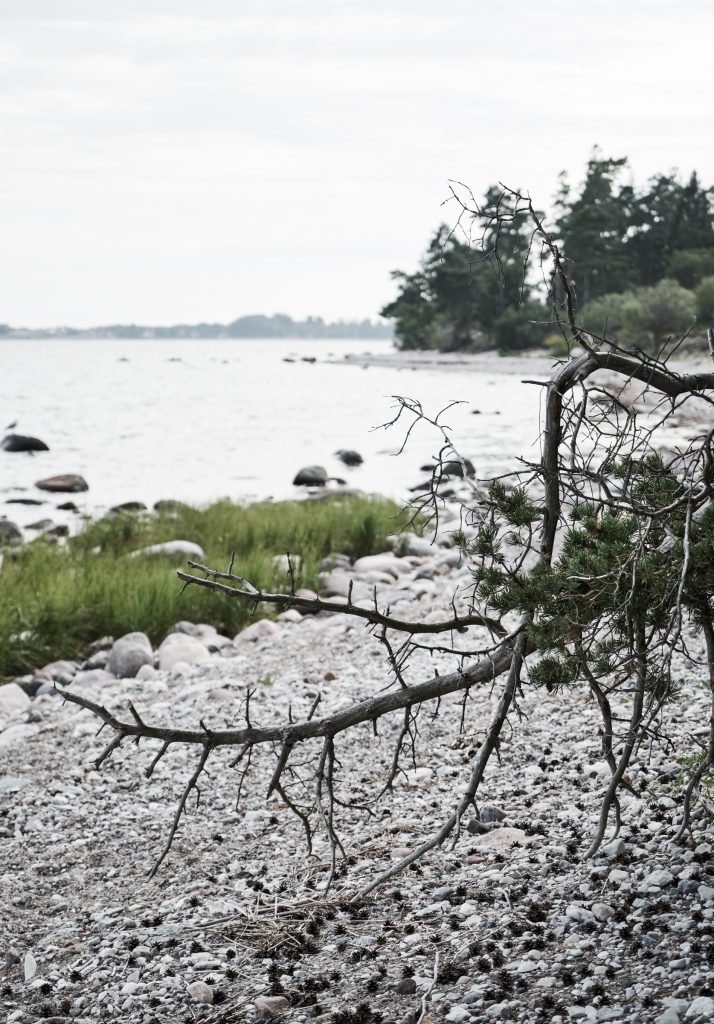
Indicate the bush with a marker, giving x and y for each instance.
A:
(643, 317)
(521, 328)
(689, 266)
(705, 302)
(557, 346)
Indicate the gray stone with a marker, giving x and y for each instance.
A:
(65, 483)
(270, 1006)
(501, 839)
(176, 550)
(617, 876)
(603, 911)
(92, 677)
(458, 1014)
(258, 630)
(13, 783)
(668, 1016)
(128, 654)
(10, 533)
(311, 476)
(475, 828)
(200, 992)
(13, 700)
(337, 584)
(61, 669)
(490, 813)
(702, 1006)
(179, 647)
(659, 878)
(349, 457)
(706, 893)
(406, 987)
(614, 849)
(29, 967)
(387, 562)
(22, 443)
(147, 672)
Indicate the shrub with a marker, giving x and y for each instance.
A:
(705, 302)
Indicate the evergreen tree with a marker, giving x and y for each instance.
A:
(593, 227)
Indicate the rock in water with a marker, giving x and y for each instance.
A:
(311, 476)
(21, 443)
(349, 458)
(66, 483)
(128, 654)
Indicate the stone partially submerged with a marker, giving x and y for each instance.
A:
(65, 483)
(22, 443)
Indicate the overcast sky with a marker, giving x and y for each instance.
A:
(180, 161)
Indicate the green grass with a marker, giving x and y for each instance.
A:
(54, 600)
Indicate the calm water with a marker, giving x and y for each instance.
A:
(198, 420)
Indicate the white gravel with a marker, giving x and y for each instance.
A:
(510, 924)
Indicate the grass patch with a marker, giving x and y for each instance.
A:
(54, 600)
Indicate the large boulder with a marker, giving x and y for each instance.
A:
(21, 443)
(175, 549)
(10, 533)
(65, 483)
(182, 647)
(311, 476)
(128, 654)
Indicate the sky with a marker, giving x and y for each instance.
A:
(200, 160)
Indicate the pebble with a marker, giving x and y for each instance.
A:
(200, 992)
(668, 1016)
(406, 987)
(267, 1007)
(659, 879)
(702, 1006)
(614, 849)
(83, 910)
(603, 911)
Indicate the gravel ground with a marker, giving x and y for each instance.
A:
(509, 923)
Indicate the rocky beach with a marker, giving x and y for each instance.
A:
(508, 922)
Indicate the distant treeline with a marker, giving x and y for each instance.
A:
(278, 326)
(641, 262)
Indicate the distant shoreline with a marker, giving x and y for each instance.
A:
(253, 328)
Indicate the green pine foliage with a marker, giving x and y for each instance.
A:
(617, 574)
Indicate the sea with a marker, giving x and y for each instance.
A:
(144, 420)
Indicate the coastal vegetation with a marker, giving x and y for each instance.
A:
(255, 326)
(54, 600)
(640, 264)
